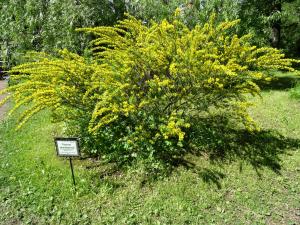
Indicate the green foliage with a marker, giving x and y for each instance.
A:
(46, 25)
(295, 92)
(191, 12)
(152, 10)
(147, 88)
(272, 22)
(258, 18)
(291, 28)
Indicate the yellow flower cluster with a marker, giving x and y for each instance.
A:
(173, 128)
(49, 83)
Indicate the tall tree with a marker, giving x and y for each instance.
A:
(290, 34)
(192, 11)
(276, 7)
(264, 19)
(49, 24)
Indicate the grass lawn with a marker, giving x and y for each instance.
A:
(260, 184)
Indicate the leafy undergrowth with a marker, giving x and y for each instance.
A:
(295, 92)
(258, 182)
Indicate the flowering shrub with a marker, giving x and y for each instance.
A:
(146, 87)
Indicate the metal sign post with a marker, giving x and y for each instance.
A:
(71, 165)
(68, 147)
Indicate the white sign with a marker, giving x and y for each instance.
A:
(67, 147)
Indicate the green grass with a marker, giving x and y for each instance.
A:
(260, 186)
(295, 92)
(276, 111)
(289, 80)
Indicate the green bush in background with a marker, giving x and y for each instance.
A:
(295, 92)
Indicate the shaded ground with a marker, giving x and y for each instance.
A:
(3, 108)
(280, 82)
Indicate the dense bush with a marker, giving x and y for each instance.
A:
(146, 89)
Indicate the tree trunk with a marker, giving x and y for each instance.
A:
(276, 26)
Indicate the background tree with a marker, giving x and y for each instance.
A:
(272, 22)
(291, 28)
(256, 18)
(46, 25)
(50, 24)
(192, 11)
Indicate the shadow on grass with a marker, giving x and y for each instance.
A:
(260, 149)
(219, 146)
(280, 83)
(211, 176)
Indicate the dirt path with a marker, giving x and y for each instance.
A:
(3, 108)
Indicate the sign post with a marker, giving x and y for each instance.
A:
(68, 147)
(71, 165)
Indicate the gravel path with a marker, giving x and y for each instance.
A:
(3, 108)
